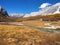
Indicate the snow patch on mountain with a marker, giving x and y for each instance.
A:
(31, 14)
(58, 11)
(16, 15)
(54, 9)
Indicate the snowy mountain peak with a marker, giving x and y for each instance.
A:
(57, 11)
(58, 8)
(16, 15)
(57, 4)
(53, 9)
(0, 7)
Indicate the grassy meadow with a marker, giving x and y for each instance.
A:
(21, 35)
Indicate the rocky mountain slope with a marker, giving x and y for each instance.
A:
(4, 17)
(51, 13)
(3, 12)
(52, 17)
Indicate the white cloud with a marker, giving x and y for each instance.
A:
(44, 5)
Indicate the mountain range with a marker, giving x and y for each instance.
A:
(54, 9)
(48, 13)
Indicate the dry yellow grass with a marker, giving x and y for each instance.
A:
(18, 35)
(56, 23)
(41, 23)
(35, 23)
(31, 23)
(4, 23)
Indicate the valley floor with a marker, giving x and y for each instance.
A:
(12, 34)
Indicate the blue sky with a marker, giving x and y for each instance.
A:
(24, 6)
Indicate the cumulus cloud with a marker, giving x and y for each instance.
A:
(44, 5)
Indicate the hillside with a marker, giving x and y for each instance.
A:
(4, 17)
(53, 17)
